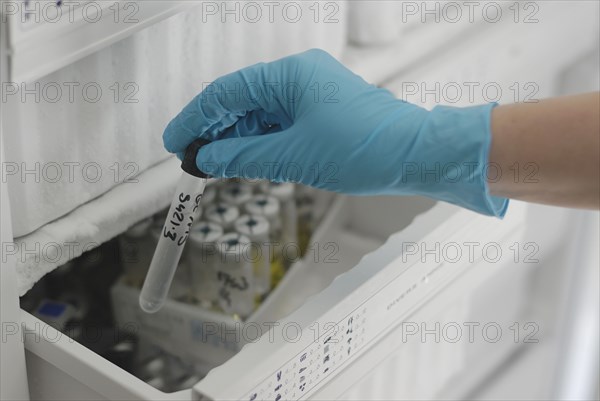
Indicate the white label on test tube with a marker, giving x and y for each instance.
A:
(203, 259)
(170, 245)
(234, 273)
(284, 192)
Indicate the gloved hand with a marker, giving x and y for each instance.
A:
(308, 119)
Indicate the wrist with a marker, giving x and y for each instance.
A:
(452, 159)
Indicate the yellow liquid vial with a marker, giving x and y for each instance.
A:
(277, 270)
(304, 234)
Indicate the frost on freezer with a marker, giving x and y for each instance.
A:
(231, 262)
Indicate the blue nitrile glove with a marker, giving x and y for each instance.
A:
(308, 119)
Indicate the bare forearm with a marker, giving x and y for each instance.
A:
(548, 152)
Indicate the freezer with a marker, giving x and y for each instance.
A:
(383, 297)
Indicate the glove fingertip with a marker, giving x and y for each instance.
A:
(176, 137)
(206, 162)
(167, 137)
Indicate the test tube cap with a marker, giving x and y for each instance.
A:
(189, 163)
(222, 213)
(209, 196)
(263, 205)
(236, 194)
(281, 190)
(254, 227)
(205, 232)
(154, 366)
(233, 244)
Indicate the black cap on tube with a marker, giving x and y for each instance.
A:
(189, 160)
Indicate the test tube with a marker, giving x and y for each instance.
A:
(179, 287)
(223, 214)
(154, 366)
(305, 204)
(256, 228)
(202, 258)
(284, 192)
(253, 183)
(209, 196)
(135, 251)
(234, 274)
(180, 218)
(268, 207)
(236, 194)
